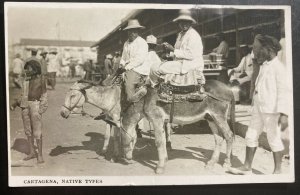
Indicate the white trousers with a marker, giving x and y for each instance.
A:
(258, 122)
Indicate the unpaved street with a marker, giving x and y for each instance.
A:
(72, 146)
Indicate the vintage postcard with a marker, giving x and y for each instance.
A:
(109, 94)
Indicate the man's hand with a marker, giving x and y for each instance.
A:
(168, 46)
(120, 71)
(235, 82)
(231, 72)
(283, 121)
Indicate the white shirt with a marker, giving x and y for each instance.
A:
(189, 49)
(134, 55)
(53, 64)
(18, 66)
(272, 88)
(152, 60)
(245, 66)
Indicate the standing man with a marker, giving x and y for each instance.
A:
(108, 65)
(53, 66)
(116, 61)
(135, 51)
(18, 66)
(44, 63)
(270, 103)
(34, 103)
(88, 68)
(187, 52)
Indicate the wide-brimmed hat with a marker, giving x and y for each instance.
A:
(43, 53)
(185, 14)
(53, 51)
(151, 39)
(33, 49)
(109, 56)
(134, 23)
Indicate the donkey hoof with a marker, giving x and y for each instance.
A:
(169, 146)
(210, 165)
(159, 170)
(103, 152)
(226, 165)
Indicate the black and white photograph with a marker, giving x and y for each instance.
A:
(114, 94)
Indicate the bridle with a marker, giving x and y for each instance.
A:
(82, 93)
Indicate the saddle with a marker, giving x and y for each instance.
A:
(169, 93)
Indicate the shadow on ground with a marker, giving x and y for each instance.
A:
(21, 145)
(95, 144)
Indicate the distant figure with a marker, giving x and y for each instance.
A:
(88, 68)
(66, 60)
(242, 73)
(73, 63)
(18, 66)
(34, 103)
(44, 62)
(53, 66)
(222, 48)
(108, 65)
(116, 61)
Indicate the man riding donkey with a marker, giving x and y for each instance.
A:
(136, 62)
(188, 64)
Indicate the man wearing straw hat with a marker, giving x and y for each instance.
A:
(187, 52)
(134, 53)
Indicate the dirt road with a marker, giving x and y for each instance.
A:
(71, 147)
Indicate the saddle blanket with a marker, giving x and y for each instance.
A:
(168, 92)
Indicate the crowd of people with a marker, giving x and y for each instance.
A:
(142, 68)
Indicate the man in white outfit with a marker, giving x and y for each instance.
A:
(270, 107)
(187, 52)
(243, 72)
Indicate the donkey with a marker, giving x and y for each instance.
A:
(218, 109)
(105, 98)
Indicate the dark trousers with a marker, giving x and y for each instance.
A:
(52, 79)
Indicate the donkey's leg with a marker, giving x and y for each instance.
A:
(116, 143)
(218, 143)
(229, 137)
(168, 129)
(226, 132)
(160, 142)
(106, 138)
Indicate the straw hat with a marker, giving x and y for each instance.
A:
(132, 24)
(109, 56)
(43, 53)
(151, 39)
(185, 14)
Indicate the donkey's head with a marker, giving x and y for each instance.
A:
(74, 99)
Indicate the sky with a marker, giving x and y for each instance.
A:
(88, 24)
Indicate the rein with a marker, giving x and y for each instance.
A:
(83, 93)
